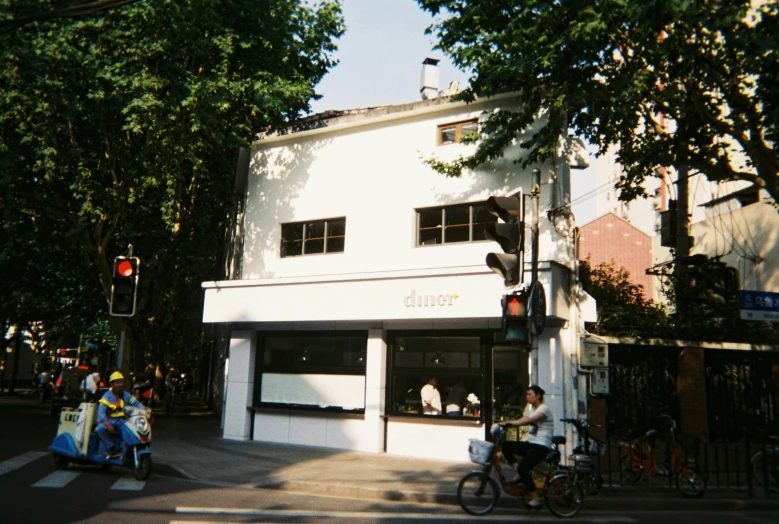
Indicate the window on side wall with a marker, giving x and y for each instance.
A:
(313, 237)
(453, 224)
(453, 133)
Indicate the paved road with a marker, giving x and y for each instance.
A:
(33, 491)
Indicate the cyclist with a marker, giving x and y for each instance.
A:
(534, 446)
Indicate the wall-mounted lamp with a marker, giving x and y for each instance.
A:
(304, 357)
(401, 344)
(439, 358)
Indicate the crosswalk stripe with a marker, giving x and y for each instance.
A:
(20, 461)
(128, 484)
(58, 479)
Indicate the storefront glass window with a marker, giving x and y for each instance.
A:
(455, 362)
(326, 372)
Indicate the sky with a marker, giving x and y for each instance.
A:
(381, 56)
(380, 62)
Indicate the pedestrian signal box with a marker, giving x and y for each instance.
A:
(515, 319)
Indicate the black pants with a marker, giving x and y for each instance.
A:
(531, 455)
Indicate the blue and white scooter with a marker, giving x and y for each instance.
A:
(78, 442)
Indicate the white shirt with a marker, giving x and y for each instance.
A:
(431, 397)
(541, 432)
(90, 383)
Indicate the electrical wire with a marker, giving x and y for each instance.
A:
(85, 8)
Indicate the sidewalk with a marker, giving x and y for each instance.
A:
(190, 444)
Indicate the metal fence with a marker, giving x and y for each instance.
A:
(749, 467)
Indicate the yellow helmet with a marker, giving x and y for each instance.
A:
(115, 376)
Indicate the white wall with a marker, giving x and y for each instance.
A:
(375, 177)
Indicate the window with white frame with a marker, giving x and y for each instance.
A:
(313, 237)
(453, 224)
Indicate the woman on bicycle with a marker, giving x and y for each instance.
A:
(535, 446)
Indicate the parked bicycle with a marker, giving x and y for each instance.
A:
(478, 491)
(765, 465)
(586, 471)
(638, 457)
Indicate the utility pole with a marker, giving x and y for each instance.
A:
(682, 214)
(682, 236)
(535, 191)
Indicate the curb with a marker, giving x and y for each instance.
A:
(647, 504)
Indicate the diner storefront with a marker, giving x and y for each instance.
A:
(340, 362)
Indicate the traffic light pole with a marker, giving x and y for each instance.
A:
(122, 363)
(535, 191)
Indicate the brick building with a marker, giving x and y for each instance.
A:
(611, 238)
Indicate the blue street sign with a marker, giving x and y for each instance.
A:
(92, 345)
(759, 305)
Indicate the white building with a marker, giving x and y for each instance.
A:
(363, 273)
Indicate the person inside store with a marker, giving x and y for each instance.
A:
(524, 455)
(431, 398)
(456, 399)
(110, 412)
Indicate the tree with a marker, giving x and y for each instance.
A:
(124, 128)
(623, 311)
(606, 70)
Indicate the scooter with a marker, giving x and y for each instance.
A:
(144, 393)
(77, 440)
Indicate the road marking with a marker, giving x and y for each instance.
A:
(58, 479)
(20, 461)
(363, 515)
(128, 484)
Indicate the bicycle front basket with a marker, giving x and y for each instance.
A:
(480, 451)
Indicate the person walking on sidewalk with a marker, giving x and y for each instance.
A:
(111, 414)
(535, 446)
(171, 391)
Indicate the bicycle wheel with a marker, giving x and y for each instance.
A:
(631, 472)
(477, 493)
(759, 465)
(690, 482)
(564, 497)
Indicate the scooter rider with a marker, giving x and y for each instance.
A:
(110, 412)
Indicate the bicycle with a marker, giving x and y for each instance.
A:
(586, 474)
(639, 455)
(759, 465)
(478, 492)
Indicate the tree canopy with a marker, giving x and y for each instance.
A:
(124, 128)
(608, 69)
(623, 310)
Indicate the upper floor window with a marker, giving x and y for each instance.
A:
(313, 237)
(450, 224)
(451, 133)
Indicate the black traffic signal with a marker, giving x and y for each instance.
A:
(510, 235)
(515, 317)
(124, 286)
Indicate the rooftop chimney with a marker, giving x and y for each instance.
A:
(429, 87)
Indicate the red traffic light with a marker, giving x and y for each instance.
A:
(125, 268)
